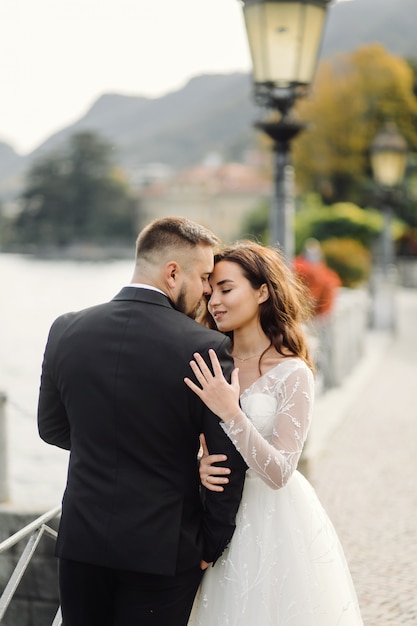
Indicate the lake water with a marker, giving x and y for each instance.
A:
(32, 294)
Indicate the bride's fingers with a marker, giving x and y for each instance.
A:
(208, 464)
(204, 446)
(234, 381)
(215, 363)
(218, 372)
(203, 366)
(211, 486)
(198, 373)
(197, 390)
(216, 478)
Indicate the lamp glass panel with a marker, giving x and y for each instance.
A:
(284, 40)
(254, 19)
(389, 167)
(311, 41)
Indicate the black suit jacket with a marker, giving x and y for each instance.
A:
(112, 392)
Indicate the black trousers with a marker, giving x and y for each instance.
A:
(100, 596)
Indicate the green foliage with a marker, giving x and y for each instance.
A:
(407, 243)
(349, 259)
(4, 227)
(346, 232)
(256, 225)
(75, 196)
(413, 64)
(341, 220)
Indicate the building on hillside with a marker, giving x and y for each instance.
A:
(218, 196)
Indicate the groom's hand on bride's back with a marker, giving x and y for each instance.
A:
(212, 476)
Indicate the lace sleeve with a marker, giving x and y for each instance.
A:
(274, 454)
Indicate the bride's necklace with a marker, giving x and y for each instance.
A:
(247, 358)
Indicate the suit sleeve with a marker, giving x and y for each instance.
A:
(53, 424)
(221, 507)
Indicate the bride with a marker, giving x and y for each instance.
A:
(284, 565)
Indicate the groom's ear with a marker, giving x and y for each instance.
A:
(171, 272)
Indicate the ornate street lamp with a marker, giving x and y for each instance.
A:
(284, 40)
(388, 154)
(388, 161)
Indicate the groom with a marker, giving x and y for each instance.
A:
(134, 537)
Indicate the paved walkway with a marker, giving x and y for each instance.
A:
(366, 473)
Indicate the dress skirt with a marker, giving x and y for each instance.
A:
(284, 566)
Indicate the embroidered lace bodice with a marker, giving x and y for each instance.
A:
(276, 413)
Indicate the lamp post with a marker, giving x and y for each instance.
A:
(284, 40)
(388, 161)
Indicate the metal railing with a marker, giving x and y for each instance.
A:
(35, 530)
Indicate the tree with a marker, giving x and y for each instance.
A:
(76, 195)
(353, 96)
(256, 224)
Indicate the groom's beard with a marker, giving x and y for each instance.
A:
(181, 304)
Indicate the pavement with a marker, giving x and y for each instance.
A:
(362, 461)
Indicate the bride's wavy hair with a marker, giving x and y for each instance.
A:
(289, 304)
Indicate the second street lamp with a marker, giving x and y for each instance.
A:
(284, 40)
(388, 161)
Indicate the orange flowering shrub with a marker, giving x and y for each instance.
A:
(321, 281)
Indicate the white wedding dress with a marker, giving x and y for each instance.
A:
(284, 565)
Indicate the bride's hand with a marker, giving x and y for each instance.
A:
(212, 477)
(221, 397)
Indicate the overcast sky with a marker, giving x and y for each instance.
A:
(58, 56)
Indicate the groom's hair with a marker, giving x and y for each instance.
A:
(172, 233)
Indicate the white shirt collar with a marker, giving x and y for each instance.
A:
(143, 286)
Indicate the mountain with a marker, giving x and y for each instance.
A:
(10, 161)
(178, 128)
(212, 113)
(356, 22)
